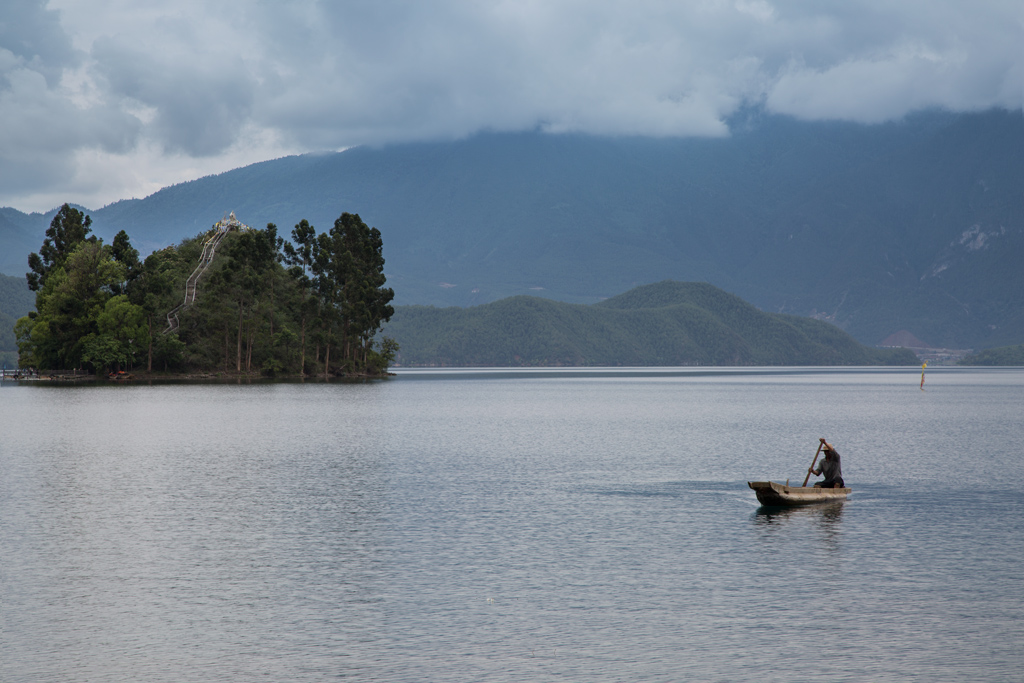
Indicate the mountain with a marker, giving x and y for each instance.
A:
(20, 234)
(16, 300)
(913, 225)
(664, 324)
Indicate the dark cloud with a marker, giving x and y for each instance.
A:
(381, 71)
(197, 108)
(32, 35)
(187, 88)
(44, 121)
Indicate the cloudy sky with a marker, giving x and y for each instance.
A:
(102, 100)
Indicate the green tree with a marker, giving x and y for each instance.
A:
(247, 278)
(349, 279)
(31, 335)
(328, 274)
(378, 361)
(168, 350)
(153, 289)
(300, 255)
(67, 230)
(121, 337)
(368, 302)
(122, 251)
(301, 251)
(68, 307)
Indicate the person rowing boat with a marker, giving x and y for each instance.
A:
(830, 467)
(831, 488)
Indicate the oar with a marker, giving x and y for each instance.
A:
(808, 477)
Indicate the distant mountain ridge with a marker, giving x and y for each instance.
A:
(915, 225)
(664, 324)
(15, 301)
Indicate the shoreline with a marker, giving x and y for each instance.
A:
(199, 377)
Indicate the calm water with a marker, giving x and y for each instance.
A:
(514, 526)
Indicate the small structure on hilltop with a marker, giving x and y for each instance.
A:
(217, 233)
(231, 223)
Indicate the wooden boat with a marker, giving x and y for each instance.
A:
(770, 493)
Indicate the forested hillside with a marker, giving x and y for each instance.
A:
(1003, 355)
(911, 225)
(15, 301)
(20, 234)
(665, 324)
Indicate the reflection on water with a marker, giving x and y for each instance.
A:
(823, 518)
(828, 513)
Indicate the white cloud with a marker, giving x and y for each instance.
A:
(108, 99)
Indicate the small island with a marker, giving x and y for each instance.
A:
(232, 301)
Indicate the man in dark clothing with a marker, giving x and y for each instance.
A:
(829, 467)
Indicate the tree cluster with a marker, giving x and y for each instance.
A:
(264, 305)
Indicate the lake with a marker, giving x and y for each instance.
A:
(534, 525)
